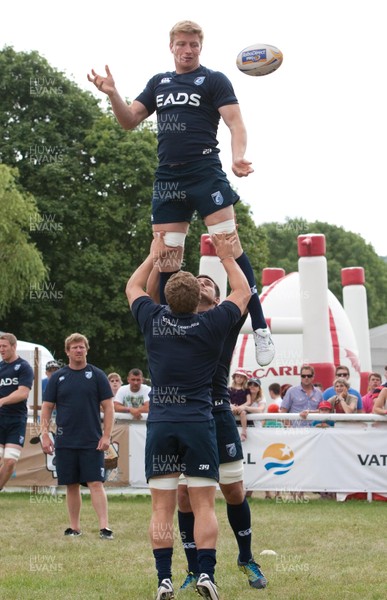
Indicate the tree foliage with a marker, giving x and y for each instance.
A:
(93, 184)
(343, 249)
(22, 268)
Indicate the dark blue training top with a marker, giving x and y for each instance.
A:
(12, 375)
(183, 353)
(220, 389)
(77, 395)
(187, 113)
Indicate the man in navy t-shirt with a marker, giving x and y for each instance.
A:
(78, 392)
(183, 349)
(16, 378)
(189, 103)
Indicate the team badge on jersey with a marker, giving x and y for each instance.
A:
(88, 374)
(17, 367)
(199, 80)
(217, 198)
(231, 449)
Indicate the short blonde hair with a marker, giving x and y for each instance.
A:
(75, 338)
(186, 27)
(9, 337)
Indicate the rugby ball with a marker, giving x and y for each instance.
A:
(259, 59)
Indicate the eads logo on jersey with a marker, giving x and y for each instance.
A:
(278, 458)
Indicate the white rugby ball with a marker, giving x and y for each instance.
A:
(259, 59)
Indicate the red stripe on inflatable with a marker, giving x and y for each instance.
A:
(335, 339)
(242, 350)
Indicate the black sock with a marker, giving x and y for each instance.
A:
(254, 306)
(239, 517)
(207, 561)
(163, 560)
(186, 527)
(163, 281)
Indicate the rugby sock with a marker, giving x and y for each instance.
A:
(254, 306)
(163, 560)
(163, 280)
(239, 517)
(207, 561)
(186, 526)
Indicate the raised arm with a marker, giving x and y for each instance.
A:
(128, 115)
(240, 289)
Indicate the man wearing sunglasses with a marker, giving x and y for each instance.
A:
(303, 398)
(343, 371)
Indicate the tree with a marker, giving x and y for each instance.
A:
(22, 269)
(93, 185)
(343, 249)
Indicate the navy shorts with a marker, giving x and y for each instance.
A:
(79, 465)
(12, 430)
(188, 447)
(181, 190)
(228, 438)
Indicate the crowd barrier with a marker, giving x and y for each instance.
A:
(350, 457)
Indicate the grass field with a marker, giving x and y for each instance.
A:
(325, 550)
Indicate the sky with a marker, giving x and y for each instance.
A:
(317, 127)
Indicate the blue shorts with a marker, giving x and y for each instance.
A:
(188, 447)
(74, 465)
(12, 430)
(181, 190)
(228, 438)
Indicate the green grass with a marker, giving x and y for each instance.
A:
(325, 550)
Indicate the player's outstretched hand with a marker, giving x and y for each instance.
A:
(104, 84)
(242, 167)
(224, 244)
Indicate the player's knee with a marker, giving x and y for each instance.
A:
(183, 498)
(222, 227)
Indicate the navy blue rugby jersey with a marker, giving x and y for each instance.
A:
(12, 375)
(183, 354)
(220, 390)
(187, 107)
(77, 395)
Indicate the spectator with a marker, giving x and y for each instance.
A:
(273, 408)
(283, 389)
(324, 407)
(240, 398)
(16, 377)
(342, 401)
(51, 367)
(258, 402)
(115, 382)
(380, 404)
(79, 391)
(303, 398)
(374, 381)
(133, 398)
(275, 393)
(343, 372)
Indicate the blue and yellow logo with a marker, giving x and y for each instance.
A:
(279, 458)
